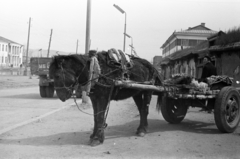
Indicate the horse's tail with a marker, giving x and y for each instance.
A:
(159, 102)
(158, 82)
(158, 77)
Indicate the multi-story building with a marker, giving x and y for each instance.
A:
(10, 53)
(186, 38)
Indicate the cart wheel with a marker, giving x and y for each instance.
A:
(226, 110)
(173, 111)
(50, 91)
(42, 90)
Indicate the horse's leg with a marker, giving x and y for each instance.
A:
(99, 123)
(94, 105)
(142, 101)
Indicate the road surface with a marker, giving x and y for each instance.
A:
(65, 133)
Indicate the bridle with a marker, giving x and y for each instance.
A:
(69, 88)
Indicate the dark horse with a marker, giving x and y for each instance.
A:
(70, 70)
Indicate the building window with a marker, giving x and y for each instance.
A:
(192, 42)
(199, 41)
(2, 47)
(179, 41)
(185, 42)
(6, 48)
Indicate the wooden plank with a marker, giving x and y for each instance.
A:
(140, 86)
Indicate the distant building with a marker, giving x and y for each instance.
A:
(156, 63)
(11, 53)
(157, 60)
(186, 39)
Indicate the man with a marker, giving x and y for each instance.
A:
(94, 70)
(208, 69)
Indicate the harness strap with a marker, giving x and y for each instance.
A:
(108, 105)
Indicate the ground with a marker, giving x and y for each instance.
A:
(10, 81)
(65, 134)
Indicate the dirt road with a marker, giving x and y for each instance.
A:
(65, 134)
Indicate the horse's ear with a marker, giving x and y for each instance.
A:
(60, 63)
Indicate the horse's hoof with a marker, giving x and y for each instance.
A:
(95, 143)
(90, 141)
(141, 134)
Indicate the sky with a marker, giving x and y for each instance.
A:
(148, 22)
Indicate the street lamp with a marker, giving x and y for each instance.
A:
(125, 25)
(131, 42)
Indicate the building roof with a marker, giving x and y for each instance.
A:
(199, 27)
(197, 30)
(215, 36)
(202, 47)
(2, 39)
(232, 46)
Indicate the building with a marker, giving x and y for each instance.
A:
(228, 61)
(156, 63)
(183, 39)
(11, 53)
(224, 50)
(157, 60)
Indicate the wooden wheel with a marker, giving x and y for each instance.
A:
(173, 111)
(226, 110)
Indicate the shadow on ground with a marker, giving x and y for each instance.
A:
(113, 132)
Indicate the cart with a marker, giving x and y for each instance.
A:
(176, 99)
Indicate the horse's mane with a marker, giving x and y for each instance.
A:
(57, 60)
(102, 57)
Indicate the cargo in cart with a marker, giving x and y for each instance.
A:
(180, 92)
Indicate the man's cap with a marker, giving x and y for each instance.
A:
(208, 57)
(92, 52)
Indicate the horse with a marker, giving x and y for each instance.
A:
(71, 70)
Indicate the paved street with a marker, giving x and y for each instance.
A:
(65, 133)
(21, 105)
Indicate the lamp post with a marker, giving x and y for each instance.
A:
(125, 25)
(131, 42)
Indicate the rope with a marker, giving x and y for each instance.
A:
(216, 79)
(105, 111)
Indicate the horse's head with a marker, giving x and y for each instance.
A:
(65, 72)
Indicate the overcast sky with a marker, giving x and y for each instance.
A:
(149, 22)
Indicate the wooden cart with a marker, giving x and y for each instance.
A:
(176, 99)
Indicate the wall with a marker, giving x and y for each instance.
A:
(228, 63)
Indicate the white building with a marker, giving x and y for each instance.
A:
(11, 53)
(186, 38)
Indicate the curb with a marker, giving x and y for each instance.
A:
(33, 119)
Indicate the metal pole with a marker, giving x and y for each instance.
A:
(85, 98)
(125, 27)
(88, 25)
(29, 25)
(132, 46)
(77, 47)
(49, 43)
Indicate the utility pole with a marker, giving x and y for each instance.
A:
(77, 47)
(85, 98)
(88, 27)
(49, 43)
(29, 25)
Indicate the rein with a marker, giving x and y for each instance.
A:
(74, 84)
(69, 88)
